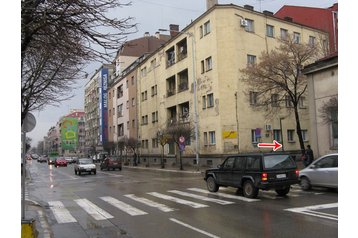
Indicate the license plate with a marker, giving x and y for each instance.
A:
(88, 169)
(281, 176)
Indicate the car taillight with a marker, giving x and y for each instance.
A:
(264, 176)
(297, 172)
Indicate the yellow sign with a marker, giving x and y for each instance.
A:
(229, 134)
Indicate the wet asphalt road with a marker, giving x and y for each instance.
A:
(142, 203)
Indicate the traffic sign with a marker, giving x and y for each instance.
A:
(29, 123)
(182, 139)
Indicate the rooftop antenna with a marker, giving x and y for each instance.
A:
(260, 4)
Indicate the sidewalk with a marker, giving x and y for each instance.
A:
(189, 169)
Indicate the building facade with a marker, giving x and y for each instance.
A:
(323, 101)
(319, 18)
(96, 109)
(213, 49)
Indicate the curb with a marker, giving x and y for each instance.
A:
(165, 170)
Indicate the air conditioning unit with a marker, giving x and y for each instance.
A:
(268, 127)
(243, 23)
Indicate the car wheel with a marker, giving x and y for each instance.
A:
(211, 184)
(283, 192)
(79, 172)
(94, 172)
(305, 184)
(75, 172)
(249, 190)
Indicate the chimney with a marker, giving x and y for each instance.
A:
(211, 3)
(268, 13)
(146, 34)
(174, 29)
(157, 35)
(289, 19)
(249, 7)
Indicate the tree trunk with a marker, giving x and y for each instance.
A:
(298, 129)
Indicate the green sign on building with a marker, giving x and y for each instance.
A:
(69, 133)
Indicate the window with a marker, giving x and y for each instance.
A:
(206, 28)
(120, 91)
(201, 31)
(296, 37)
(133, 123)
(114, 111)
(145, 120)
(274, 100)
(290, 134)
(143, 72)
(144, 96)
(133, 102)
(312, 41)
(204, 102)
(205, 138)
(269, 31)
(120, 110)
(208, 63)
(127, 83)
(229, 163)
(253, 98)
(283, 33)
(255, 135)
(145, 144)
(212, 139)
(153, 63)
(202, 67)
(334, 127)
(288, 101)
(301, 102)
(277, 135)
(120, 130)
(127, 125)
(253, 163)
(210, 100)
(154, 117)
(304, 135)
(251, 60)
(250, 26)
(328, 162)
(132, 80)
(239, 163)
(127, 104)
(154, 90)
(154, 143)
(109, 94)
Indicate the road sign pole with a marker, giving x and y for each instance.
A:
(23, 142)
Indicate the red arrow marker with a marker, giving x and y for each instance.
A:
(275, 145)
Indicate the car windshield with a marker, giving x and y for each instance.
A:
(279, 162)
(85, 161)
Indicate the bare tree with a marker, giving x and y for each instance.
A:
(277, 78)
(177, 129)
(133, 144)
(162, 138)
(57, 39)
(328, 111)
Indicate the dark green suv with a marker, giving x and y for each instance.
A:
(251, 172)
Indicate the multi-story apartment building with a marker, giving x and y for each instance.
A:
(122, 107)
(96, 109)
(325, 19)
(225, 39)
(53, 140)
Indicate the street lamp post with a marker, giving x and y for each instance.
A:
(281, 118)
(190, 34)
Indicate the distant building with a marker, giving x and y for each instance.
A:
(325, 19)
(323, 98)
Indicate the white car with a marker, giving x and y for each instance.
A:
(85, 166)
(322, 172)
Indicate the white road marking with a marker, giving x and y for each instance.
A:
(45, 226)
(193, 228)
(96, 212)
(61, 214)
(311, 210)
(218, 201)
(225, 195)
(123, 206)
(178, 200)
(150, 203)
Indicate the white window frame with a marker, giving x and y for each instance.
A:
(290, 135)
(270, 30)
(251, 60)
(304, 134)
(209, 63)
(250, 25)
(283, 33)
(210, 98)
(212, 138)
(206, 28)
(296, 37)
(253, 97)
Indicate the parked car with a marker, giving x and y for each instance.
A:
(42, 159)
(322, 172)
(84, 165)
(60, 162)
(251, 172)
(112, 162)
(35, 156)
(70, 160)
(51, 160)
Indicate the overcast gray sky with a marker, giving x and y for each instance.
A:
(150, 16)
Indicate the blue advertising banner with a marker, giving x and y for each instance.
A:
(103, 106)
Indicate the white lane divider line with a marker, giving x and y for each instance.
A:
(218, 201)
(311, 210)
(178, 200)
(61, 214)
(194, 228)
(124, 206)
(92, 209)
(225, 195)
(150, 203)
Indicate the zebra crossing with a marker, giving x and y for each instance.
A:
(63, 215)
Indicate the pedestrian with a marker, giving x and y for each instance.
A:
(309, 156)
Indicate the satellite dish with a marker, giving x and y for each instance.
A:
(29, 123)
